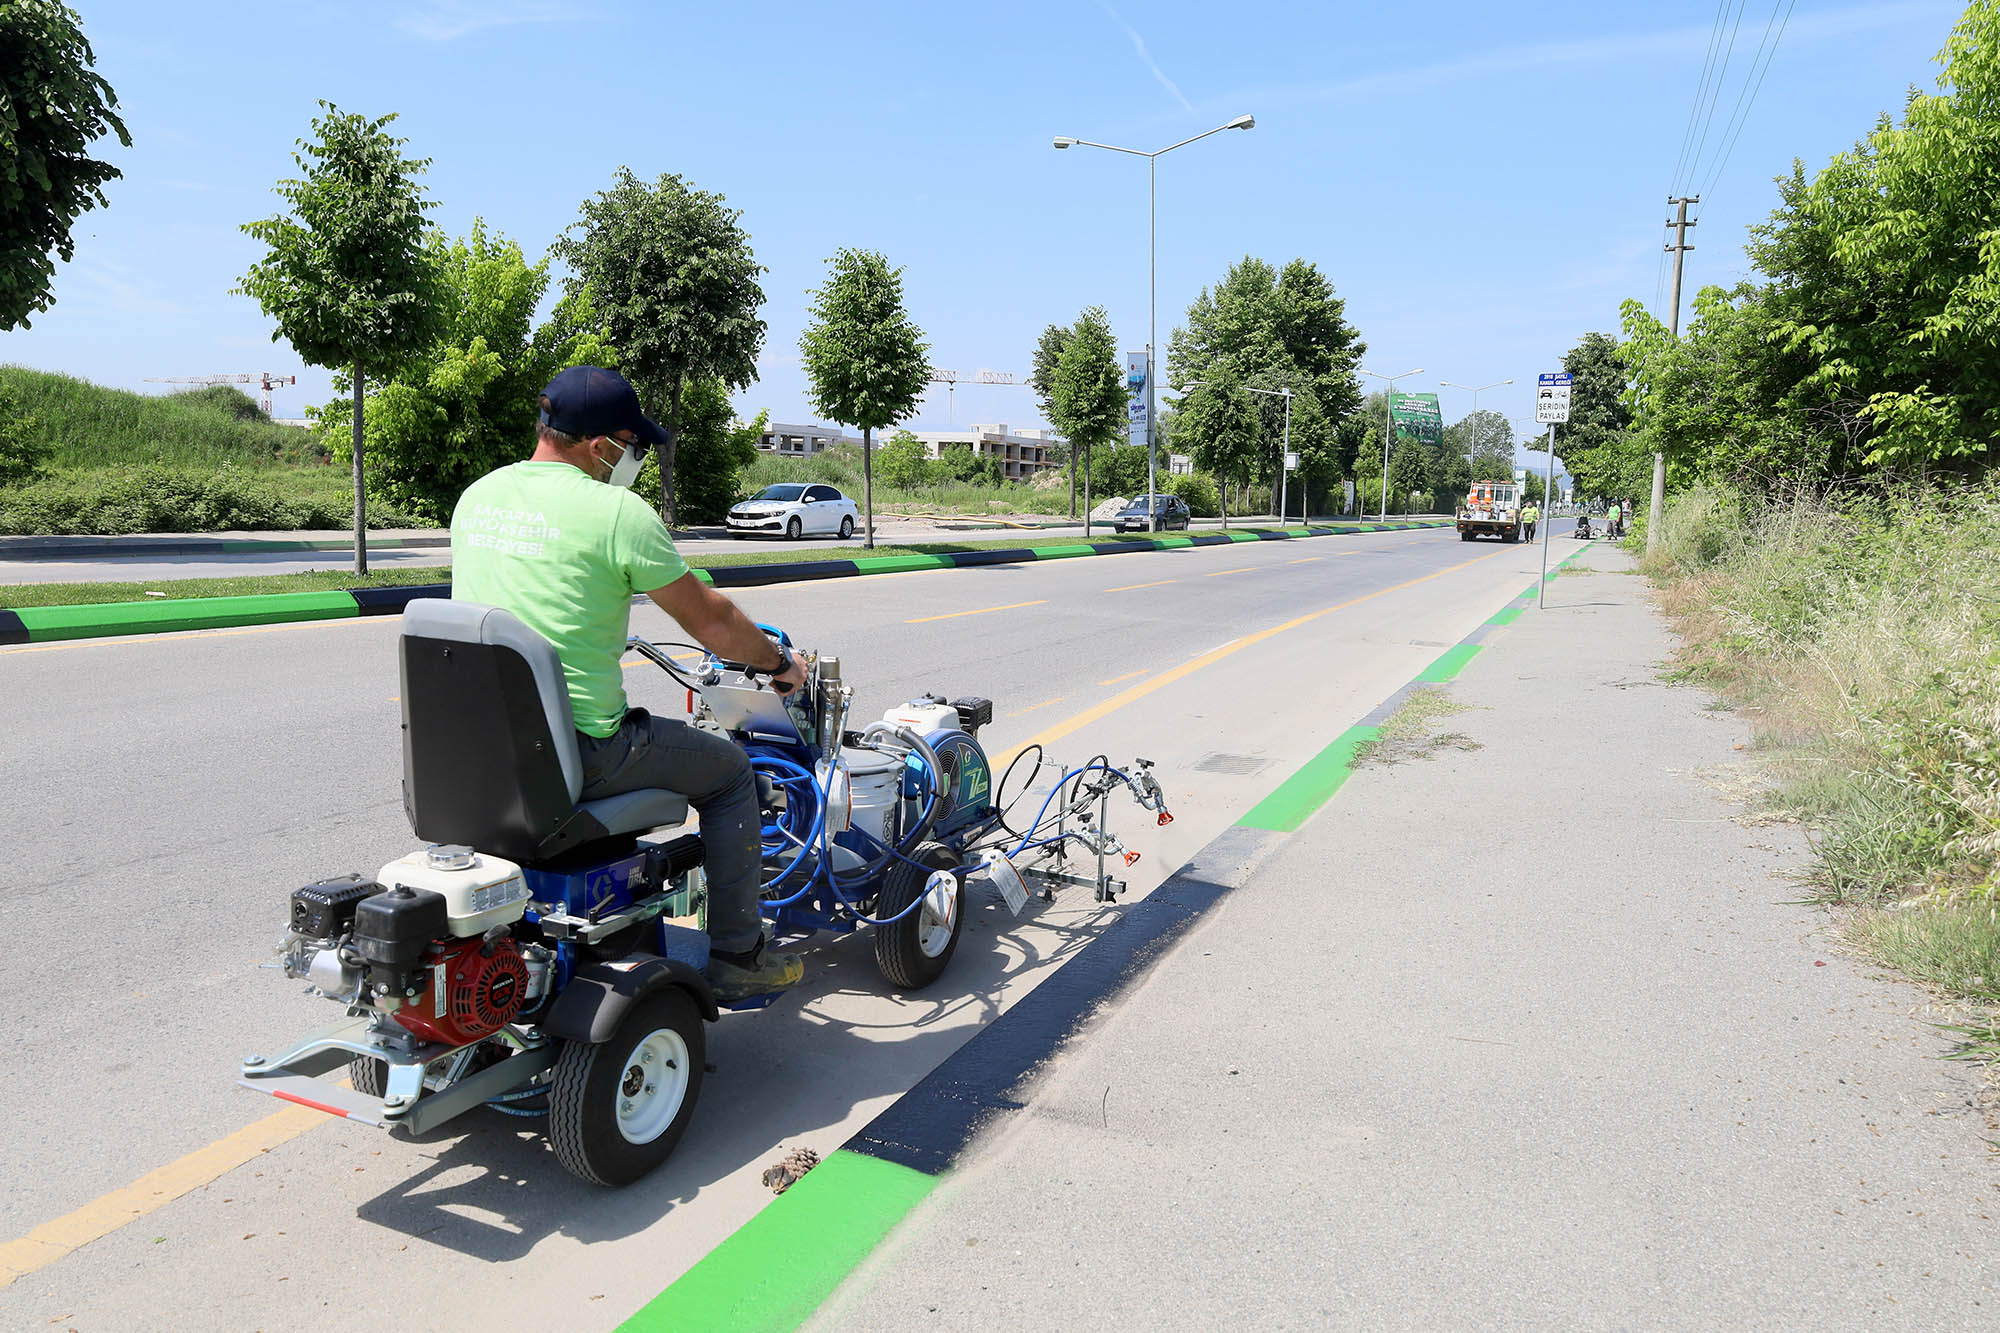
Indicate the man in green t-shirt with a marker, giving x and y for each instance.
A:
(562, 543)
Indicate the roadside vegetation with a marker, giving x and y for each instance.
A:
(1411, 731)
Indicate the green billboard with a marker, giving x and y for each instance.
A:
(1418, 418)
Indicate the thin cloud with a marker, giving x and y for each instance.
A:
(1139, 45)
(444, 20)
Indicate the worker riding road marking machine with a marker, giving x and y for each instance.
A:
(535, 957)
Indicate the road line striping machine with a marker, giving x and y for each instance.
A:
(535, 958)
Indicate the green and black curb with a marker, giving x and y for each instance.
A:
(837, 1213)
(41, 624)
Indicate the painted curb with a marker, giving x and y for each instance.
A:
(829, 1231)
(41, 624)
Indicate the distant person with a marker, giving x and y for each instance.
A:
(1531, 515)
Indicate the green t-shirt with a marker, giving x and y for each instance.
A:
(565, 553)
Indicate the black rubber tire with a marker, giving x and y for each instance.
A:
(584, 1091)
(1465, 536)
(369, 1076)
(793, 528)
(846, 527)
(899, 956)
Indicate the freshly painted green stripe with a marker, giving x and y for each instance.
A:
(777, 1268)
(1241, 536)
(1311, 787)
(1172, 543)
(95, 621)
(896, 564)
(1507, 616)
(1061, 552)
(1450, 664)
(703, 576)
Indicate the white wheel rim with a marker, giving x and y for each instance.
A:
(938, 917)
(652, 1086)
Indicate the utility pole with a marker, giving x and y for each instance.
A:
(1679, 222)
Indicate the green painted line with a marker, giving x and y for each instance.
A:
(1171, 543)
(1241, 536)
(703, 576)
(1450, 664)
(1062, 552)
(780, 1265)
(45, 623)
(1507, 616)
(1311, 787)
(897, 564)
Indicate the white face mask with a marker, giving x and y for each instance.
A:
(626, 470)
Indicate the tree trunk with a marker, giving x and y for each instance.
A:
(868, 487)
(673, 427)
(360, 489)
(1086, 488)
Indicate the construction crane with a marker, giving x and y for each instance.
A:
(263, 377)
(951, 379)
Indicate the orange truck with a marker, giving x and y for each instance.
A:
(1493, 508)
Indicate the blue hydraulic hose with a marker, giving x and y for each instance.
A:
(1053, 793)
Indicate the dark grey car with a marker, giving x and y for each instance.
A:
(1136, 517)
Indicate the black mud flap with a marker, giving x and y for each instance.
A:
(594, 1003)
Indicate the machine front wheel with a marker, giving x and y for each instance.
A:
(912, 952)
(369, 1075)
(617, 1110)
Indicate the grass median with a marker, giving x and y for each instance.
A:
(18, 595)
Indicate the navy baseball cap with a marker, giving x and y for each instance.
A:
(589, 401)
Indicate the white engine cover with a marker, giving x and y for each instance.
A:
(923, 717)
(488, 892)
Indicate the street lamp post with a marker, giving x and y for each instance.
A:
(1285, 450)
(1152, 277)
(1388, 425)
(1476, 391)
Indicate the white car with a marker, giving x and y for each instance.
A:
(794, 509)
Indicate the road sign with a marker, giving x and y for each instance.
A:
(1291, 462)
(1552, 399)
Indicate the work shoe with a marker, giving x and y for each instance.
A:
(740, 976)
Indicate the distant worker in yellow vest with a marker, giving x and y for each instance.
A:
(1531, 514)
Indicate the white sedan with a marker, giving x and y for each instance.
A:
(794, 509)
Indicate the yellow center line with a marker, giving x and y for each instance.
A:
(1304, 560)
(1134, 587)
(1021, 712)
(984, 610)
(1218, 573)
(1127, 676)
(1078, 721)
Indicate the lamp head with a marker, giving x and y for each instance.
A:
(1064, 141)
(1242, 123)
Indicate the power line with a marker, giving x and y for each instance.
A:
(1734, 130)
(1700, 88)
(1715, 95)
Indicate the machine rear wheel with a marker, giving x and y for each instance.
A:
(617, 1110)
(912, 952)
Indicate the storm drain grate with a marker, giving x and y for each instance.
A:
(1236, 765)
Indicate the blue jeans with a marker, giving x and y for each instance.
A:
(715, 776)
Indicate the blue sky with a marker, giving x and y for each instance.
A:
(1482, 182)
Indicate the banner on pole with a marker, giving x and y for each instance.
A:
(1138, 368)
(1418, 417)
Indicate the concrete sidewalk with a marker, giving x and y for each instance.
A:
(1521, 1034)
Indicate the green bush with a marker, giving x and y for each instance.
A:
(1197, 489)
(24, 452)
(165, 499)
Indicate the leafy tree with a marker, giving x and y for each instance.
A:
(1482, 434)
(1454, 475)
(672, 276)
(904, 461)
(1121, 470)
(865, 358)
(713, 451)
(1088, 394)
(1218, 425)
(24, 449)
(467, 403)
(1042, 376)
(53, 107)
(346, 273)
(1409, 471)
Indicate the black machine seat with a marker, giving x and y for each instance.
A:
(489, 744)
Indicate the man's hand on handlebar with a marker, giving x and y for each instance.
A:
(791, 678)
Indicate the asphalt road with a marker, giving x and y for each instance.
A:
(141, 567)
(163, 795)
